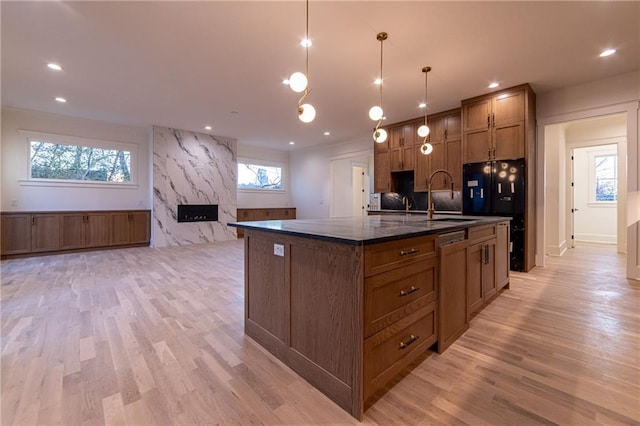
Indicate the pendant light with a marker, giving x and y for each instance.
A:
(423, 131)
(299, 82)
(376, 113)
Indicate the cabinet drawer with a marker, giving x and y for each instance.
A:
(482, 232)
(392, 349)
(246, 215)
(386, 256)
(395, 294)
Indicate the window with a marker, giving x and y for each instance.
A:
(58, 160)
(259, 177)
(73, 162)
(606, 178)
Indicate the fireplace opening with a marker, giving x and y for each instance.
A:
(197, 212)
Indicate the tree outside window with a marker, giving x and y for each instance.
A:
(260, 177)
(606, 178)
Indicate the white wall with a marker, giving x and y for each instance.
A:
(342, 199)
(592, 222)
(311, 174)
(29, 197)
(256, 199)
(620, 94)
(555, 234)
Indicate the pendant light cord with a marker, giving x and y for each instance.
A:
(426, 76)
(306, 66)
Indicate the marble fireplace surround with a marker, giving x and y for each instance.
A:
(192, 168)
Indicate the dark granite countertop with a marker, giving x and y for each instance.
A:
(369, 229)
(389, 211)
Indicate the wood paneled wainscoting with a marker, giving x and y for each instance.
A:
(156, 336)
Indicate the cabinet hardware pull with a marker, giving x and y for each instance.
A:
(412, 339)
(488, 121)
(412, 289)
(489, 153)
(33, 221)
(493, 152)
(408, 252)
(445, 134)
(493, 119)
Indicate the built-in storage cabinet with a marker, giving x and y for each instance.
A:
(502, 255)
(401, 151)
(47, 232)
(452, 306)
(81, 230)
(249, 215)
(446, 138)
(495, 125)
(16, 233)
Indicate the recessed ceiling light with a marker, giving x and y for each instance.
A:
(378, 81)
(54, 66)
(607, 52)
(494, 85)
(61, 100)
(305, 42)
(292, 143)
(207, 127)
(422, 105)
(327, 133)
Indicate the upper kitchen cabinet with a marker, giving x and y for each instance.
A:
(381, 166)
(401, 149)
(497, 126)
(446, 138)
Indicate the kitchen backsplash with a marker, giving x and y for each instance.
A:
(419, 201)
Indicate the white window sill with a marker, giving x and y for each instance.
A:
(604, 204)
(263, 191)
(76, 184)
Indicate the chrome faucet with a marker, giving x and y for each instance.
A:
(407, 203)
(435, 172)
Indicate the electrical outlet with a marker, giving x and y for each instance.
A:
(14, 203)
(278, 249)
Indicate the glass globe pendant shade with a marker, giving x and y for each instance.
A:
(423, 131)
(376, 113)
(380, 135)
(426, 148)
(298, 82)
(306, 113)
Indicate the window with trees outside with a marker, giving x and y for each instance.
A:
(259, 177)
(59, 159)
(606, 178)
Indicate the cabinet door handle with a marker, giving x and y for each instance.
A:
(489, 153)
(411, 289)
(33, 221)
(493, 151)
(412, 338)
(486, 254)
(488, 121)
(493, 119)
(408, 252)
(445, 134)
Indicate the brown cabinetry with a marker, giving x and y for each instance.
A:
(481, 267)
(48, 232)
(80, 230)
(401, 150)
(495, 125)
(253, 214)
(16, 233)
(128, 228)
(502, 255)
(446, 138)
(452, 306)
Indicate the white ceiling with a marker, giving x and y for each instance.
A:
(187, 64)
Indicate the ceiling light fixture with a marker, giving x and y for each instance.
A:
(422, 105)
(327, 133)
(423, 131)
(61, 99)
(54, 66)
(494, 85)
(607, 52)
(292, 143)
(376, 113)
(299, 82)
(207, 127)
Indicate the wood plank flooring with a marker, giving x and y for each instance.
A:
(155, 336)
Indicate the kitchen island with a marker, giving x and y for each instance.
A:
(349, 302)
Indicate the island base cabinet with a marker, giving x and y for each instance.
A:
(389, 351)
(453, 319)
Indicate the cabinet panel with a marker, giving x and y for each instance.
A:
(72, 231)
(489, 289)
(437, 162)
(477, 115)
(475, 261)
(16, 233)
(139, 232)
(119, 228)
(508, 108)
(509, 141)
(454, 163)
(395, 160)
(381, 172)
(246, 215)
(453, 126)
(477, 147)
(45, 232)
(421, 171)
(502, 255)
(452, 307)
(382, 257)
(97, 229)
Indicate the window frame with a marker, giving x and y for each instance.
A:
(266, 163)
(31, 136)
(592, 155)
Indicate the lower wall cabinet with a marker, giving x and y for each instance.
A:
(251, 215)
(48, 232)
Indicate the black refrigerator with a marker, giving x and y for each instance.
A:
(496, 188)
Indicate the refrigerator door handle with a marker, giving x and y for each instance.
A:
(513, 188)
(499, 188)
(470, 192)
(481, 192)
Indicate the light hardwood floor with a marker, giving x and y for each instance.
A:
(155, 336)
